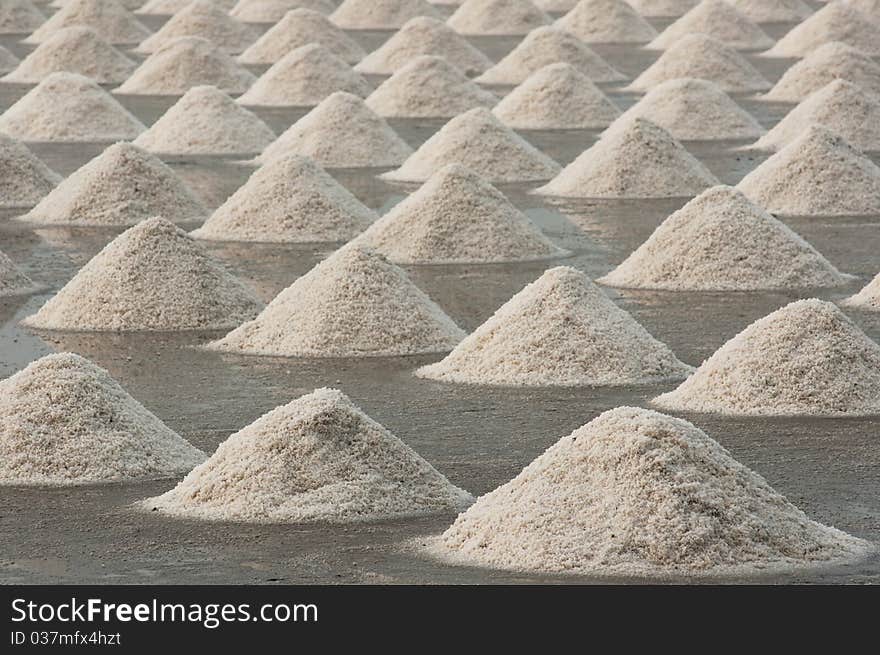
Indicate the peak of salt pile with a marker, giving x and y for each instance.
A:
(457, 217)
(272, 11)
(122, 186)
(773, 11)
(205, 19)
(634, 159)
(557, 96)
(288, 200)
(721, 241)
(341, 132)
(829, 62)
(355, 303)
(639, 493)
(499, 17)
(544, 46)
(379, 14)
(319, 458)
(69, 107)
(8, 61)
(560, 330)
(721, 21)
(12, 281)
(835, 21)
(424, 36)
(663, 8)
(817, 174)
(206, 121)
(171, 7)
(478, 140)
(151, 277)
(868, 299)
(107, 17)
(606, 21)
(19, 17)
(428, 87)
(24, 179)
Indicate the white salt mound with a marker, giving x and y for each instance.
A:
(355, 303)
(205, 19)
(457, 217)
(319, 458)
(499, 17)
(379, 14)
(107, 17)
(636, 159)
(12, 281)
(171, 7)
(638, 493)
(721, 241)
(69, 107)
(122, 186)
(557, 96)
(24, 179)
(835, 21)
(153, 276)
(19, 17)
(288, 200)
(817, 174)
(721, 21)
(868, 299)
(428, 87)
(8, 61)
(272, 11)
(663, 8)
(481, 142)
(206, 121)
(606, 21)
(773, 11)
(827, 63)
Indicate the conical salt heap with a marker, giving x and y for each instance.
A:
(868, 299)
(544, 46)
(12, 281)
(499, 17)
(632, 160)
(663, 8)
(153, 276)
(817, 174)
(698, 56)
(606, 21)
(424, 36)
(288, 200)
(557, 96)
(481, 142)
(773, 11)
(19, 17)
(298, 28)
(171, 7)
(827, 63)
(122, 186)
(205, 19)
(457, 217)
(24, 179)
(272, 11)
(303, 78)
(636, 493)
(428, 87)
(206, 121)
(69, 107)
(718, 19)
(319, 458)
(107, 17)
(8, 61)
(560, 330)
(355, 303)
(384, 15)
(835, 21)
(721, 241)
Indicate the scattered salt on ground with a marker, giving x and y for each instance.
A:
(12, 281)
(379, 14)
(298, 28)
(171, 7)
(606, 21)
(107, 17)
(557, 96)
(69, 107)
(806, 358)
(638, 493)
(773, 11)
(355, 303)
(817, 174)
(560, 330)
(718, 19)
(663, 8)
(184, 63)
(721, 241)
(633, 160)
(424, 36)
(835, 21)
(701, 57)
(341, 132)
(481, 142)
(303, 78)
(205, 19)
(24, 179)
(19, 17)
(548, 45)
(122, 186)
(272, 11)
(457, 217)
(499, 17)
(319, 458)
(867, 299)
(206, 121)
(428, 87)
(153, 276)
(827, 63)
(288, 200)
(8, 61)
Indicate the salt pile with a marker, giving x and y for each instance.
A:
(827, 63)
(555, 5)
(499, 17)
(272, 11)
(720, 241)
(638, 493)
(698, 56)
(457, 217)
(663, 8)
(205, 19)
(544, 46)
(24, 179)
(107, 17)
(12, 281)
(19, 17)
(122, 186)
(186, 62)
(817, 174)
(8, 61)
(773, 11)
(557, 96)
(718, 19)
(480, 141)
(424, 36)
(206, 121)
(319, 458)
(868, 299)
(171, 7)
(636, 159)
(428, 87)
(288, 200)
(153, 276)
(69, 107)
(560, 330)
(379, 14)
(835, 21)
(606, 21)
(355, 303)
